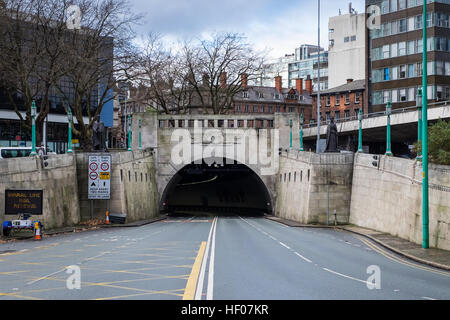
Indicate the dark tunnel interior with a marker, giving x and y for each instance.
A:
(219, 189)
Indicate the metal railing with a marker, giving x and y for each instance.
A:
(378, 114)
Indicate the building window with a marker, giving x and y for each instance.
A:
(245, 94)
(328, 100)
(347, 114)
(357, 97)
(386, 74)
(346, 39)
(402, 74)
(386, 52)
(403, 97)
(337, 102)
(347, 98)
(353, 38)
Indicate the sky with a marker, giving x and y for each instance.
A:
(278, 26)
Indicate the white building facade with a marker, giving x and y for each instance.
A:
(346, 53)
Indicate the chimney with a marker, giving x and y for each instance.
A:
(308, 85)
(223, 79)
(279, 83)
(244, 80)
(349, 80)
(299, 85)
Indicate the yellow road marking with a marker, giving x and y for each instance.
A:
(13, 272)
(143, 294)
(398, 260)
(189, 291)
(18, 296)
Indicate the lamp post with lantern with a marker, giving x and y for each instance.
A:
(129, 132)
(33, 129)
(388, 139)
(70, 119)
(360, 118)
(302, 122)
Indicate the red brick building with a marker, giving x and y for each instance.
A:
(343, 102)
(269, 100)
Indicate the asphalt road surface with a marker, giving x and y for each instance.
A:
(225, 258)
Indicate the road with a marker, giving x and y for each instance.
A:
(225, 258)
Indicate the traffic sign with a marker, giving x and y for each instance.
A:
(99, 173)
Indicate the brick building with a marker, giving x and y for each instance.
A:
(269, 100)
(342, 102)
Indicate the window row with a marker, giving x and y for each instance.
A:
(434, 19)
(388, 6)
(258, 124)
(413, 70)
(437, 92)
(338, 98)
(289, 176)
(263, 109)
(410, 47)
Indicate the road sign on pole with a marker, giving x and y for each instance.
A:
(99, 177)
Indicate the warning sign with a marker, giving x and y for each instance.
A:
(99, 177)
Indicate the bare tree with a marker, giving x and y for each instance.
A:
(31, 38)
(161, 78)
(217, 67)
(97, 55)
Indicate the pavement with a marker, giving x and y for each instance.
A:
(433, 257)
(82, 228)
(214, 258)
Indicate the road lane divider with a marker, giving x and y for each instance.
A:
(210, 289)
(189, 291)
(201, 280)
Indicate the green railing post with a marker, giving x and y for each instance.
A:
(140, 135)
(70, 119)
(425, 194)
(388, 138)
(129, 133)
(302, 122)
(360, 118)
(33, 129)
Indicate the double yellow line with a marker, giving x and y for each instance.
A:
(189, 292)
(398, 260)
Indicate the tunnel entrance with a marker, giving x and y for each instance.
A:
(219, 189)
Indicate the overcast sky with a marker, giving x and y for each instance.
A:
(277, 25)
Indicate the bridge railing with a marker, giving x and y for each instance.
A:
(379, 114)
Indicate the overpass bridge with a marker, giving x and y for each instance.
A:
(403, 126)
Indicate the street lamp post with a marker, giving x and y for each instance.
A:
(33, 129)
(360, 118)
(140, 135)
(129, 133)
(425, 194)
(290, 134)
(419, 122)
(388, 140)
(70, 119)
(302, 122)
(318, 78)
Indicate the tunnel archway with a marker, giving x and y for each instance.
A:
(219, 187)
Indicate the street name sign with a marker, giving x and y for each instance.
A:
(99, 177)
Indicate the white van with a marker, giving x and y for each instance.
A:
(18, 152)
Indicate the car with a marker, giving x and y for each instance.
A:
(19, 152)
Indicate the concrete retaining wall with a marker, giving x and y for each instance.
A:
(58, 181)
(133, 187)
(311, 187)
(388, 198)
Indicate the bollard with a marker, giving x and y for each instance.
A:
(37, 231)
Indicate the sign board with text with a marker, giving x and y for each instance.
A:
(23, 201)
(99, 177)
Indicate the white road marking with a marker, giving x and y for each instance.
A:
(428, 298)
(275, 239)
(210, 289)
(201, 278)
(287, 247)
(306, 259)
(345, 276)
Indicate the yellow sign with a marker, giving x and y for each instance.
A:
(75, 141)
(104, 176)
